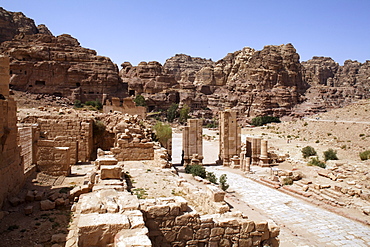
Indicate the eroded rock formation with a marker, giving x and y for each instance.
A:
(268, 82)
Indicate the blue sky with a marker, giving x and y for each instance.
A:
(144, 30)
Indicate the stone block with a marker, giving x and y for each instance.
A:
(28, 210)
(262, 226)
(135, 218)
(215, 194)
(39, 195)
(100, 229)
(185, 233)
(14, 201)
(110, 172)
(132, 238)
(47, 205)
(30, 196)
(59, 202)
(158, 211)
(58, 238)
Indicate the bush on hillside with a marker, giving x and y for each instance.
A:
(316, 162)
(330, 154)
(308, 151)
(365, 155)
(140, 100)
(259, 121)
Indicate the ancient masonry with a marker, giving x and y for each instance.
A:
(106, 213)
(192, 143)
(125, 106)
(11, 169)
(230, 138)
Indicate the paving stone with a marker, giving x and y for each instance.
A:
(326, 228)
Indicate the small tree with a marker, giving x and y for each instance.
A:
(172, 112)
(163, 132)
(365, 155)
(308, 151)
(330, 154)
(316, 162)
(77, 104)
(223, 182)
(259, 121)
(184, 113)
(196, 170)
(140, 100)
(211, 177)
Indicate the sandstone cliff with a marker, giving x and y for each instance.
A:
(268, 82)
(42, 63)
(14, 23)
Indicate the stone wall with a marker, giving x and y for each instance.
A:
(11, 168)
(75, 133)
(170, 225)
(125, 106)
(132, 140)
(27, 140)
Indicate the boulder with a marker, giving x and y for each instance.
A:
(47, 205)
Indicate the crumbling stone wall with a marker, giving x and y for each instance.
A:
(132, 140)
(124, 106)
(170, 225)
(27, 140)
(11, 168)
(75, 133)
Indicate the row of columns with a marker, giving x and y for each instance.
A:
(231, 152)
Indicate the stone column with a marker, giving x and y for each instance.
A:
(264, 155)
(192, 142)
(230, 137)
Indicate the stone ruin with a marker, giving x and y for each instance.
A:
(105, 212)
(125, 106)
(11, 170)
(192, 144)
(230, 138)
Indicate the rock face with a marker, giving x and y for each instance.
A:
(42, 63)
(14, 23)
(332, 85)
(267, 82)
(254, 82)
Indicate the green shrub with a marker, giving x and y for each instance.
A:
(223, 182)
(211, 177)
(77, 104)
(184, 113)
(163, 132)
(259, 121)
(172, 112)
(140, 100)
(288, 181)
(365, 155)
(316, 162)
(330, 154)
(308, 151)
(196, 170)
(98, 128)
(95, 104)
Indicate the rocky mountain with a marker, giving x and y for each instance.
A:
(14, 23)
(43, 63)
(271, 81)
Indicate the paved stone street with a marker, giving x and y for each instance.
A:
(304, 224)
